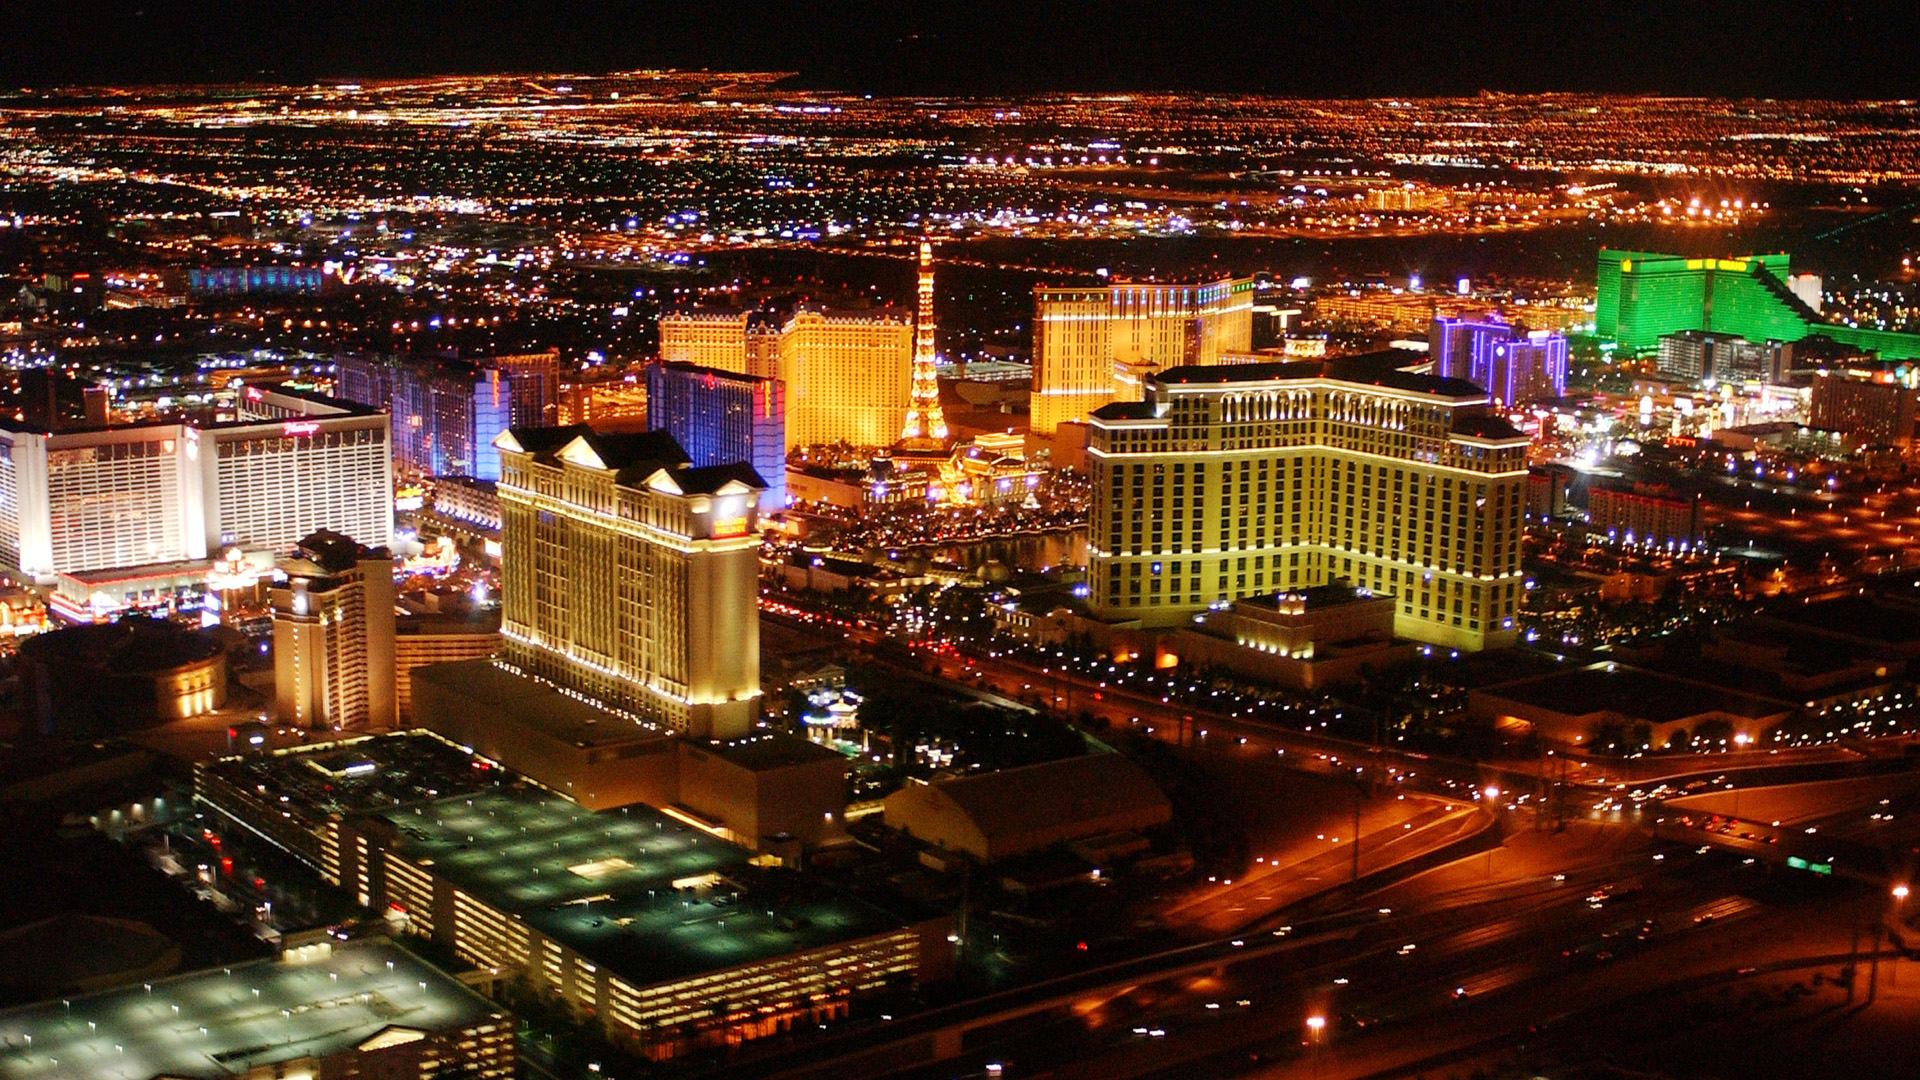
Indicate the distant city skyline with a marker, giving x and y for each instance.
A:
(1361, 48)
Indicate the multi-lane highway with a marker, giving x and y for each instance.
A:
(1463, 973)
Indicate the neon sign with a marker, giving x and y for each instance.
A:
(300, 427)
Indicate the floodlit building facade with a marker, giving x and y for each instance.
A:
(333, 636)
(1641, 296)
(533, 381)
(632, 577)
(1099, 344)
(846, 375)
(1696, 354)
(446, 414)
(421, 641)
(1231, 482)
(135, 495)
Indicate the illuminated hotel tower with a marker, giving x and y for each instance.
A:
(1287, 476)
(1094, 345)
(925, 428)
(631, 577)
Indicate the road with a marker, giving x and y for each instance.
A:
(1392, 835)
(1529, 957)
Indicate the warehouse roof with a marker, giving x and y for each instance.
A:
(1633, 693)
(1069, 792)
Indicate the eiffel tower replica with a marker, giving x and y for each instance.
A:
(925, 432)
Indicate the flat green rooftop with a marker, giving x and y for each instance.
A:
(648, 897)
(225, 1021)
(524, 849)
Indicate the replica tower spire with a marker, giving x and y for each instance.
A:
(926, 428)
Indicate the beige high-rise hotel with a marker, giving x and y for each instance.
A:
(1099, 344)
(1255, 479)
(848, 374)
(631, 578)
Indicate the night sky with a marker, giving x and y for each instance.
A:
(1806, 48)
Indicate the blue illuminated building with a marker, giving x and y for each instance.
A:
(446, 414)
(722, 417)
(1513, 365)
(238, 280)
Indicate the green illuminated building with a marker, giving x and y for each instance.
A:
(1643, 295)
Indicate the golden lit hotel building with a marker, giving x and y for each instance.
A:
(1095, 345)
(631, 578)
(848, 375)
(333, 636)
(1254, 479)
(745, 341)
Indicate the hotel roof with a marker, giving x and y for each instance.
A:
(335, 409)
(224, 1022)
(1862, 618)
(1390, 368)
(311, 784)
(633, 456)
(535, 705)
(717, 373)
(651, 898)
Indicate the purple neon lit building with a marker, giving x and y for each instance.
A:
(1514, 366)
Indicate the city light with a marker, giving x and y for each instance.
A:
(878, 530)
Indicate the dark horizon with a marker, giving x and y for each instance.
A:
(1363, 48)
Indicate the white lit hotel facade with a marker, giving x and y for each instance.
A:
(109, 498)
(1255, 479)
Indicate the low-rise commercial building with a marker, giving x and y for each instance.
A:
(471, 503)
(109, 678)
(997, 815)
(597, 758)
(1571, 706)
(760, 791)
(1301, 639)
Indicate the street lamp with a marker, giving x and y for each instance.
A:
(1900, 892)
